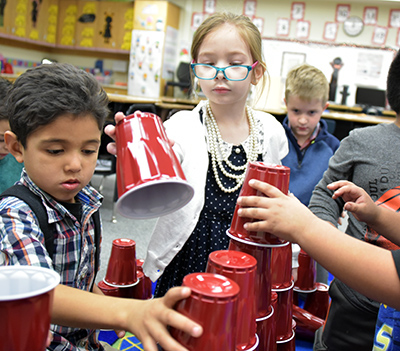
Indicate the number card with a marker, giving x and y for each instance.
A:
(298, 9)
(282, 27)
(249, 8)
(259, 23)
(342, 12)
(209, 6)
(330, 31)
(197, 19)
(379, 35)
(302, 29)
(394, 19)
(370, 16)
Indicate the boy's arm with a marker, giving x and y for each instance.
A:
(386, 222)
(366, 268)
(146, 319)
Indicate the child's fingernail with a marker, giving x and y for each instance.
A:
(196, 331)
(239, 211)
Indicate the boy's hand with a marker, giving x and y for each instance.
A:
(279, 214)
(357, 201)
(150, 321)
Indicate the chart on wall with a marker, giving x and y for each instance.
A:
(361, 66)
(145, 63)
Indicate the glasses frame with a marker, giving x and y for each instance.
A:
(218, 69)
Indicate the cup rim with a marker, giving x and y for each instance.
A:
(53, 279)
(149, 215)
(121, 286)
(254, 243)
(305, 291)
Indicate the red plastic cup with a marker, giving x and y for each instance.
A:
(26, 299)
(150, 179)
(263, 274)
(275, 175)
(284, 312)
(287, 344)
(121, 270)
(241, 268)
(306, 323)
(212, 304)
(281, 266)
(306, 274)
(266, 331)
(147, 283)
(108, 290)
(317, 302)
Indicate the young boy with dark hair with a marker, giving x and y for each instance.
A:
(369, 158)
(56, 115)
(369, 269)
(10, 168)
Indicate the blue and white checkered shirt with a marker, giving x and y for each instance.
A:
(22, 243)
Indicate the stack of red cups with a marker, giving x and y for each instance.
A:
(124, 276)
(260, 245)
(240, 268)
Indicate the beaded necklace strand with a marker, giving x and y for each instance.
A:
(215, 143)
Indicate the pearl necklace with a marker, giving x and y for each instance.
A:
(215, 144)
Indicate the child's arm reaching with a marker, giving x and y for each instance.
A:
(147, 319)
(365, 267)
(386, 222)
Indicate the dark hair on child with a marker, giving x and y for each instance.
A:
(5, 86)
(42, 94)
(392, 84)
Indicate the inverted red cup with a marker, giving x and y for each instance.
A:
(306, 323)
(26, 299)
(121, 269)
(150, 179)
(275, 175)
(317, 302)
(263, 273)
(147, 283)
(306, 274)
(213, 305)
(288, 344)
(108, 290)
(241, 268)
(284, 313)
(281, 266)
(266, 331)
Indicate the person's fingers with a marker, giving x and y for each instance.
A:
(265, 188)
(112, 148)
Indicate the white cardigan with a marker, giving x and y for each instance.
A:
(189, 134)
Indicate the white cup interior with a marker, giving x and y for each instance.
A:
(155, 199)
(20, 282)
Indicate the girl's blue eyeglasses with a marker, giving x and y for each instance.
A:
(235, 73)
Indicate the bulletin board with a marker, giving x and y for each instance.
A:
(363, 66)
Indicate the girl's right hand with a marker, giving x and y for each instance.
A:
(110, 131)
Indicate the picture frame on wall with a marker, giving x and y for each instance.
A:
(342, 12)
(249, 8)
(379, 35)
(303, 29)
(297, 11)
(394, 19)
(259, 23)
(370, 17)
(209, 6)
(282, 27)
(330, 31)
(290, 60)
(197, 19)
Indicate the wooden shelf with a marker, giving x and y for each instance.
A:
(29, 44)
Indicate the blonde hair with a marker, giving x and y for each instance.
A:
(246, 29)
(307, 82)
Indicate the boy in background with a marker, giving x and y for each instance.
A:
(310, 144)
(10, 168)
(56, 115)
